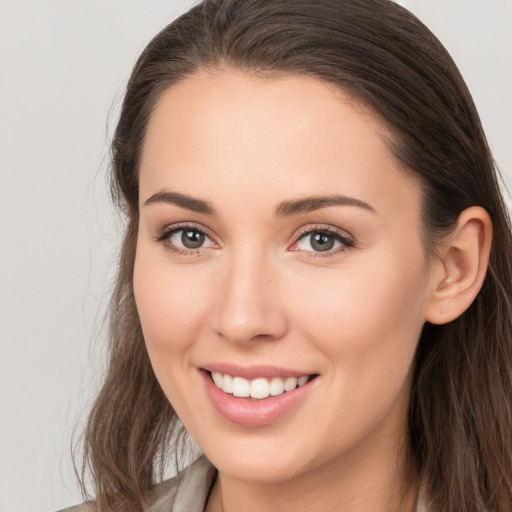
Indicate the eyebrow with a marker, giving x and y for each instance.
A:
(286, 208)
(309, 204)
(188, 202)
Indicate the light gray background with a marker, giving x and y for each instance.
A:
(63, 65)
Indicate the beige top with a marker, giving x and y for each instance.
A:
(188, 491)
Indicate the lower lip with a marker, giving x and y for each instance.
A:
(250, 412)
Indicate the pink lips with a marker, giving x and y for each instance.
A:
(250, 412)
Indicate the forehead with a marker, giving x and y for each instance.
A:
(239, 135)
(222, 107)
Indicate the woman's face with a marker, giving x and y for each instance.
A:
(278, 239)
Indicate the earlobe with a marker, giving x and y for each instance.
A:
(461, 268)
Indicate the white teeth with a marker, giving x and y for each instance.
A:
(259, 388)
(276, 386)
(302, 380)
(241, 387)
(218, 379)
(227, 384)
(290, 383)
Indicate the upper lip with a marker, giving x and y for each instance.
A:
(253, 371)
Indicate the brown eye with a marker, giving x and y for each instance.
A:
(318, 241)
(186, 239)
(192, 239)
(321, 242)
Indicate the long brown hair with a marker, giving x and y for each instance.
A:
(460, 415)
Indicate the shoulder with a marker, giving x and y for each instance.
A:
(188, 491)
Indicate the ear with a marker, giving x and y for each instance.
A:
(459, 273)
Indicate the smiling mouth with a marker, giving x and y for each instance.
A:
(259, 388)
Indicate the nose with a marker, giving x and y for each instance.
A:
(249, 303)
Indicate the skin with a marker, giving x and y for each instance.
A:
(257, 293)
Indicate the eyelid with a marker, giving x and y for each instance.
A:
(166, 233)
(345, 238)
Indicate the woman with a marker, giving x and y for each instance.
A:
(307, 283)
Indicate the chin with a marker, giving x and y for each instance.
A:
(259, 462)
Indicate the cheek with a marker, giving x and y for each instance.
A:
(366, 322)
(366, 318)
(171, 301)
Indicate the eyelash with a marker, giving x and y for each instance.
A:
(343, 238)
(346, 241)
(166, 234)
